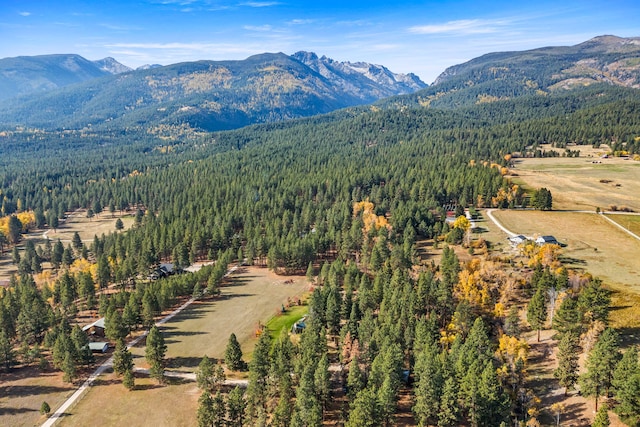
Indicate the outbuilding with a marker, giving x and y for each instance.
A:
(546, 240)
(96, 328)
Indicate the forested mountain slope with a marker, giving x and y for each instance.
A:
(39, 74)
(207, 95)
(507, 75)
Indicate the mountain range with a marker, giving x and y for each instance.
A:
(68, 91)
(506, 75)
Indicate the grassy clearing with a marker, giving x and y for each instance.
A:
(252, 296)
(286, 320)
(109, 403)
(578, 183)
(593, 244)
(23, 391)
(630, 222)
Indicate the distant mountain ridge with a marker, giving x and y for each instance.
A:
(112, 66)
(24, 75)
(209, 95)
(362, 76)
(504, 75)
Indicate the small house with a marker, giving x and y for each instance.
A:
(544, 240)
(516, 240)
(98, 347)
(96, 328)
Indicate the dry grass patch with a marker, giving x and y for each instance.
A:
(23, 391)
(593, 244)
(578, 183)
(109, 403)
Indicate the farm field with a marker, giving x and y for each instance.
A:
(593, 244)
(580, 184)
(253, 295)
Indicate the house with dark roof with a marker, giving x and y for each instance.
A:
(547, 240)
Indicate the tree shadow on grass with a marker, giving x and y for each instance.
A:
(30, 390)
(143, 387)
(15, 411)
(183, 362)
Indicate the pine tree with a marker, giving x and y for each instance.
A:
(601, 363)
(428, 391)
(602, 417)
(45, 409)
(233, 354)
(122, 358)
(235, 408)
(537, 311)
(628, 397)
(7, 356)
(449, 407)
(364, 410)
(69, 368)
(128, 380)
(568, 355)
(218, 410)
(155, 352)
(204, 374)
(205, 414)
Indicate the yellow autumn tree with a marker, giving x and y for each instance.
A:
(369, 217)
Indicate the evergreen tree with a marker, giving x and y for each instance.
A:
(45, 409)
(601, 363)
(233, 354)
(122, 358)
(7, 356)
(119, 224)
(568, 355)
(602, 417)
(128, 380)
(235, 408)
(512, 322)
(428, 391)
(364, 410)
(205, 415)
(537, 311)
(626, 383)
(449, 407)
(76, 241)
(69, 368)
(322, 381)
(204, 374)
(155, 352)
(628, 397)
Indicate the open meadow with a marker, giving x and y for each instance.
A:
(592, 243)
(583, 183)
(252, 295)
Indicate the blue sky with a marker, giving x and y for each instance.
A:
(423, 37)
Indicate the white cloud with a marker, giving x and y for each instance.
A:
(24, 13)
(258, 28)
(301, 21)
(461, 27)
(260, 3)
